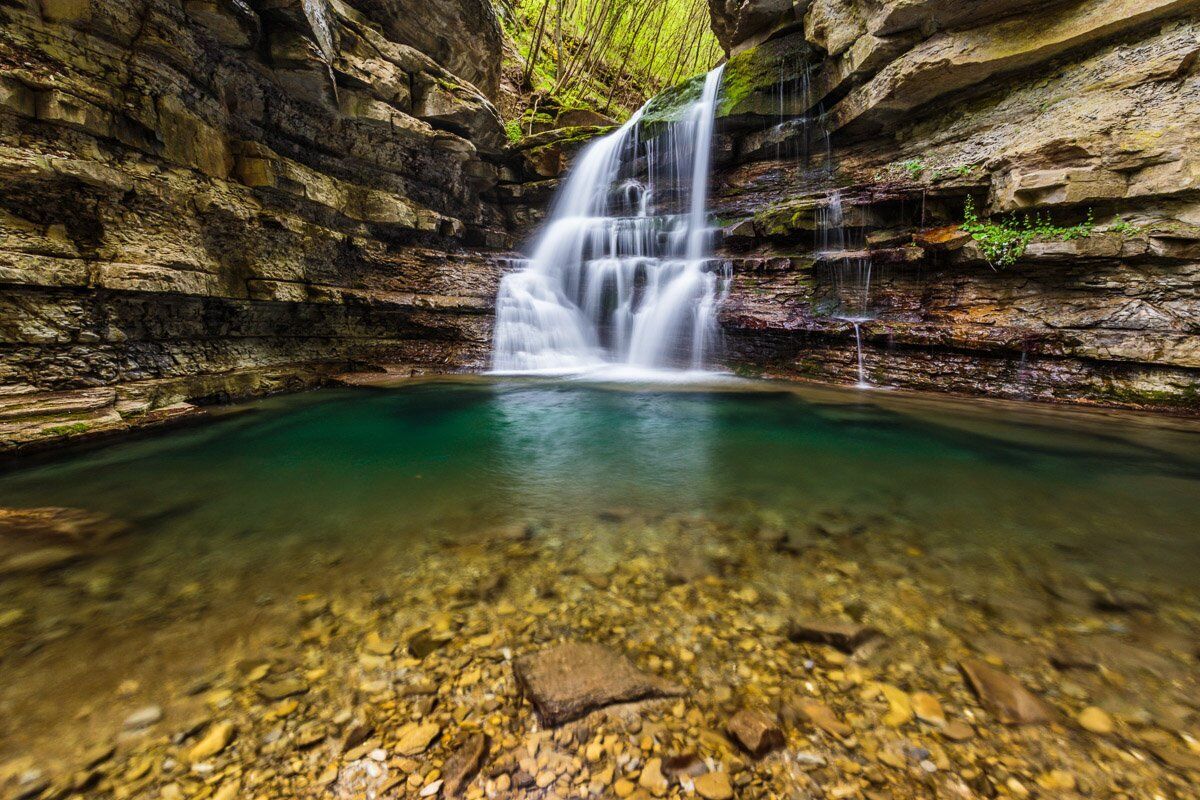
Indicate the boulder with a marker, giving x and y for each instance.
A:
(570, 680)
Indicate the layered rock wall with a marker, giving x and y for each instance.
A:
(213, 198)
(903, 110)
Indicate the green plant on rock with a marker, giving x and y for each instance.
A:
(913, 167)
(1004, 241)
(1126, 229)
(513, 129)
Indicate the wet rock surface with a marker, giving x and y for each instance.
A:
(557, 684)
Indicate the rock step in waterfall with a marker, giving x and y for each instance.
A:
(613, 278)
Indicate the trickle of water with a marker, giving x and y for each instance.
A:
(863, 383)
(613, 278)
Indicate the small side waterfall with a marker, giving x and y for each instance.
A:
(844, 250)
(616, 277)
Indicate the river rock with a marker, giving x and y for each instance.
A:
(684, 764)
(758, 733)
(143, 718)
(714, 786)
(463, 763)
(286, 687)
(426, 641)
(1004, 696)
(845, 636)
(1096, 720)
(567, 681)
(822, 716)
(43, 559)
(218, 737)
(652, 778)
(928, 709)
(1122, 600)
(415, 738)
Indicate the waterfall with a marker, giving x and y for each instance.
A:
(615, 277)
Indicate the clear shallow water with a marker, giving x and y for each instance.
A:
(339, 493)
(375, 467)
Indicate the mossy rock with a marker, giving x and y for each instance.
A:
(787, 219)
(751, 81)
(671, 105)
(565, 137)
(749, 86)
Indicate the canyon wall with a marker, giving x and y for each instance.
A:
(890, 115)
(210, 199)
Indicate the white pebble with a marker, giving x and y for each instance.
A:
(378, 754)
(431, 789)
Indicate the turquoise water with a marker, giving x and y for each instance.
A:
(357, 469)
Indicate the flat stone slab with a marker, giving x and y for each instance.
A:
(1004, 695)
(570, 680)
(845, 636)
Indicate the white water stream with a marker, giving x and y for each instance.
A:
(614, 281)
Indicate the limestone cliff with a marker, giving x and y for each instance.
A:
(215, 198)
(1055, 111)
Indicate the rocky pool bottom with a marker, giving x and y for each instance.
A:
(538, 589)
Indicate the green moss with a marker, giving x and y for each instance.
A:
(752, 79)
(1185, 397)
(787, 219)
(72, 429)
(749, 85)
(670, 106)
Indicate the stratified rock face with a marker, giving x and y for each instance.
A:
(463, 36)
(1057, 110)
(216, 198)
(738, 24)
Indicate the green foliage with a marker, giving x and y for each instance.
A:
(609, 55)
(913, 167)
(513, 129)
(1126, 229)
(1004, 241)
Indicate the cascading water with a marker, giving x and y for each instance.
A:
(803, 136)
(614, 278)
(842, 247)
